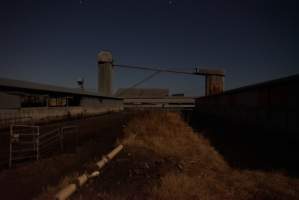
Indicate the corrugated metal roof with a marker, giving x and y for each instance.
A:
(45, 88)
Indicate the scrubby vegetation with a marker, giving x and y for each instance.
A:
(204, 173)
(165, 159)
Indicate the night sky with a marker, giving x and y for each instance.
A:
(56, 41)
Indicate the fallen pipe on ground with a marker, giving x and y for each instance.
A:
(67, 191)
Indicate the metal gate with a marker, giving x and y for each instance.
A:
(69, 138)
(24, 143)
(50, 142)
(28, 143)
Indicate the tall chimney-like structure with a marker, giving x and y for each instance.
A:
(105, 60)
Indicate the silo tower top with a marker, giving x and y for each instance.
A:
(104, 57)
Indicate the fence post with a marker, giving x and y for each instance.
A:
(37, 144)
(76, 137)
(61, 138)
(10, 147)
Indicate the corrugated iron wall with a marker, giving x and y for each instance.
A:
(273, 106)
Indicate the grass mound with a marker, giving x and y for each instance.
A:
(204, 173)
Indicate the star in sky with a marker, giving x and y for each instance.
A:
(82, 2)
(171, 3)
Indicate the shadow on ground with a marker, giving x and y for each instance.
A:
(248, 147)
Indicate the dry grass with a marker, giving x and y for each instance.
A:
(168, 135)
(205, 175)
(202, 172)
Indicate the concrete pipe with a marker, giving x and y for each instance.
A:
(94, 174)
(66, 192)
(102, 162)
(115, 151)
(81, 180)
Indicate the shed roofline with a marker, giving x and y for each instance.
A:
(32, 86)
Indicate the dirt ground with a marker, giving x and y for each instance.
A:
(127, 177)
(166, 160)
(163, 159)
(97, 136)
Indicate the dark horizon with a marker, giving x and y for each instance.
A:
(56, 42)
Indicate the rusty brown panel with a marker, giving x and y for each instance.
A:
(214, 85)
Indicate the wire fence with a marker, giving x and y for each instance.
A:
(6, 122)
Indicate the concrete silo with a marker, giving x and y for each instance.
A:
(105, 60)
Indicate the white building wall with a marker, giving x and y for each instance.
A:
(47, 114)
